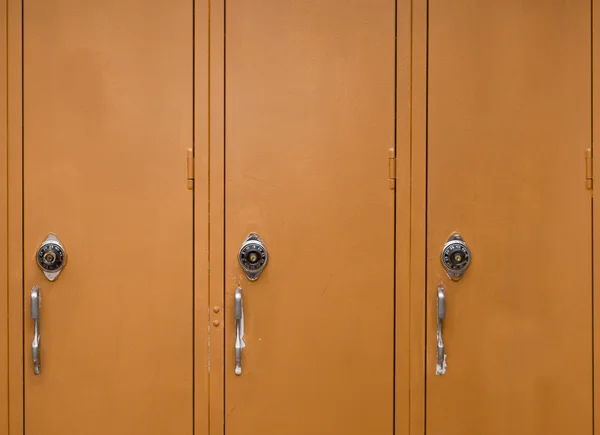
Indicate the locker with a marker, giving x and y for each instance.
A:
(300, 217)
(509, 103)
(309, 120)
(107, 117)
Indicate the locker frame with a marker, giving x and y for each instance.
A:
(209, 158)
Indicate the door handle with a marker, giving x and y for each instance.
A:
(239, 330)
(440, 367)
(35, 316)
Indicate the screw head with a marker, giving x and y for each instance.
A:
(216, 323)
(216, 309)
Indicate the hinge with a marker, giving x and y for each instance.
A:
(589, 169)
(190, 168)
(392, 168)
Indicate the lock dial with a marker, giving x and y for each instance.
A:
(51, 257)
(253, 256)
(455, 257)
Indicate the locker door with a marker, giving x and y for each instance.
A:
(107, 121)
(508, 123)
(309, 120)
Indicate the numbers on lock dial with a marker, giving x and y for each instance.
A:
(51, 257)
(253, 257)
(456, 256)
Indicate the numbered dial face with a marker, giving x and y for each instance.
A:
(51, 257)
(456, 257)
(253, 257)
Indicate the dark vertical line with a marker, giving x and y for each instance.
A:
(592, 204)
(23, 204)
(194, 219)
(395, 211)
(426, 204)
(209, 234)
(224, 210)
(7, 190)
(410, 200)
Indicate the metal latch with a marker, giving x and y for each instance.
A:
(392, 168)
(589, 169)
(190, 168)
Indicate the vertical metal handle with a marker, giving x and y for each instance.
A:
(440, 367)
(239, 330)
(35, 316)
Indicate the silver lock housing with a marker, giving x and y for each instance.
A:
(253, 257)
(456, 257)
(51, 257)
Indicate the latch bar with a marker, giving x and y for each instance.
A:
(392, 168)
(190, 168)
(589, 169)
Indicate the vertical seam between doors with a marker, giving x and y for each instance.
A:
(224, 199)
(426, 207)
(194, 219)
(209, 240)
(23, 205)
(592, 209)
(5, 229)
(395, 224)
(410, 203)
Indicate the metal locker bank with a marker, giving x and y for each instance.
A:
(302, 217)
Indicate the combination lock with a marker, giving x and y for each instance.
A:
(253, 257)
(456, 257)
(51, 257)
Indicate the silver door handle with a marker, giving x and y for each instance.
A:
(35, 315)
(440, 367)
(239, 330)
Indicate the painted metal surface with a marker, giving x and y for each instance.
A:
(309, 119)
(107, 125)
(513, 44)
(509, 119)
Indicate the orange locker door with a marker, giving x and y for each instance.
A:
(107, 121)
(309, 120)
(509, 110)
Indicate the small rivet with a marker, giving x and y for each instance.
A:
(216, 323)
(216, 309)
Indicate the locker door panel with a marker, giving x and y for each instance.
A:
(107, 120)
(309, 120)
(508, 124)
